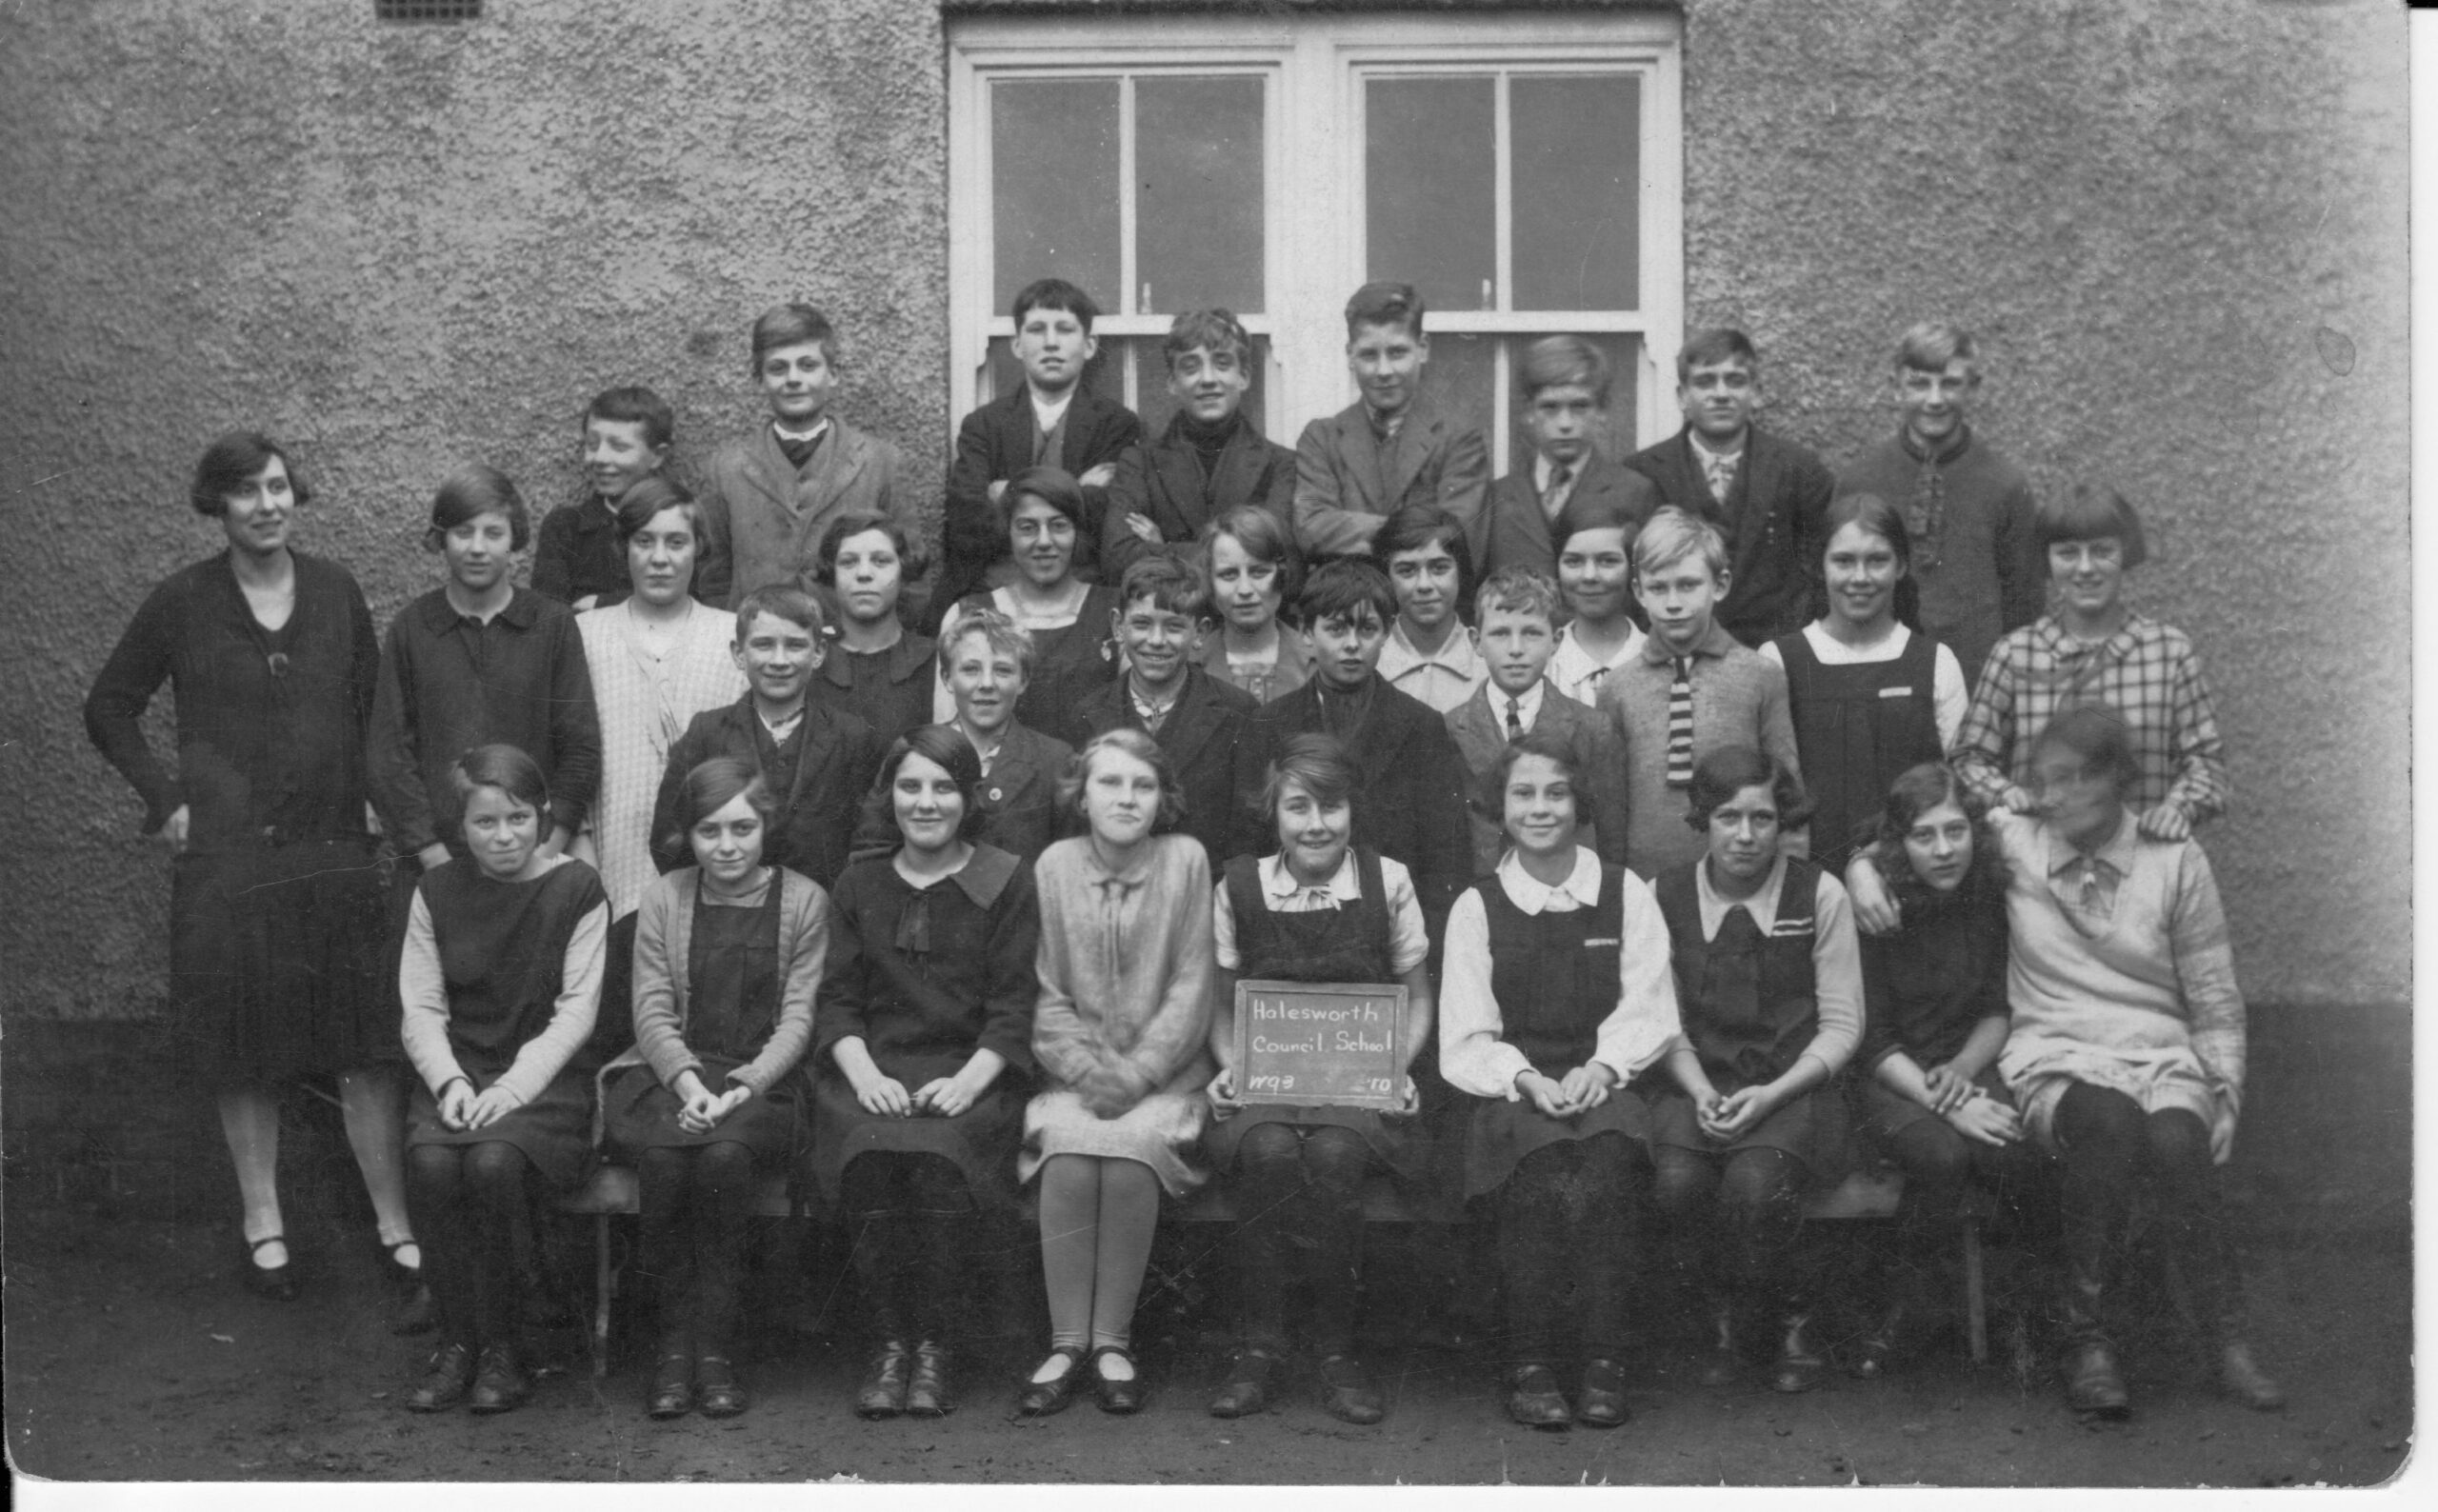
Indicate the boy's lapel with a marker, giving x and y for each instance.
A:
(1239, 472)
(1416, 440)
(770, 472)
(1477, 730)
(1181, 487)
(834, 467)
(820, 739)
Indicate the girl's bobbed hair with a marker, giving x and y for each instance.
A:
(1552, 747)
(1142, 747)
(1729, 771)
(229, 462)
(943, 747)
(474, 490)
(503, 766)
(711, 787)
(1317, 763)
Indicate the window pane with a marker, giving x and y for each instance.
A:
(1151, 384)
(1429, 182)
(1614, 431)
(1198, 220)
(1103, 376)
(1053, 185)
(1576, 165)
(1462, 381)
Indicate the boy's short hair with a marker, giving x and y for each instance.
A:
(856, 522)
(230, 463)
(1340, 589)
(648, 498)
(1054, 487)
(793, 325)
(1172, 586)
(1003, 635)
(476, 489)
(1514, 589)
(784, 601)
(1218, 329)
(1265, 538)
(1417, 525)
(1563, 362)
(1056, 293)
(1672, 535)
(1385, 304)
(1729, 771)
(2093, 511)
(636, 406)
(1716, 345)
(1933, 343)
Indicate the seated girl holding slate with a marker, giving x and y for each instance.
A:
(728, 956)
(1318, 911)
(1556, 994)
(921, 1050)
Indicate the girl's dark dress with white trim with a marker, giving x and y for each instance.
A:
(277, 904)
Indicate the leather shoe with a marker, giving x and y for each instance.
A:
(1347, 1392)
(1119, 1397)
(2241, 1378)
(1601, 1404)
(1533, 1398)
(2093, 1382)
(278, 1282)
(1246, 1390)
(1039, 1398)
(884, 1390)
(499, 1382)
(716, 1388)
(928, 1394)
(446, 1380)
(673, 1387)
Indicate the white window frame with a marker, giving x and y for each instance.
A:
(1314, 241)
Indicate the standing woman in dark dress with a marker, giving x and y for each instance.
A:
(880, 670)
(500, 979)
(1067, 618)
(922, 1054)
(728, 959)
(275, 903)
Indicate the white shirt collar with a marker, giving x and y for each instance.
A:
(1046, 414)
(1343, 887)
(1762, 905)
(1581, 889)
(1715, 454)
(1457, 654)
(1528, 704)
(820, 429)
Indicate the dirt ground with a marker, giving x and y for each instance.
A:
(133, 1354)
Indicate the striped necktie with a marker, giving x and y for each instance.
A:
(1680, 725)
(1514, 719)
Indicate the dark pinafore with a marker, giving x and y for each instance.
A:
(1348, 944)
(1554, 977)
(1750, 1008)
(732, 978)
(1857, 729)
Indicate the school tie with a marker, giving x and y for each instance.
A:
(1680, 725)
(1553, 497)
(799, 450)
(1514, 719)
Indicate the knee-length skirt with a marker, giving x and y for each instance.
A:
(980, 1142)
(1163, 1131)
(1502, 1131)
(638, 1114)
(555, 1131)
(1813, 1129)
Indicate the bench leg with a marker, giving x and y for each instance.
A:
(601, 1284)
(1976, 1312)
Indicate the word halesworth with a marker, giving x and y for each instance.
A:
(1287, 1013)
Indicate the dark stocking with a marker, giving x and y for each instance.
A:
(722, 1206)
(436, 1203)
(663, 1178)
(1565, 1230)
(495, 1204)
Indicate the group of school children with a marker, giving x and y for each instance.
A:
(934, 896)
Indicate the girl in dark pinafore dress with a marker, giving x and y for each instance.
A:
(922, 1050)
(1768, 978)
(501, 978)
(1554, 996)
(1315, 911)
(728, 959)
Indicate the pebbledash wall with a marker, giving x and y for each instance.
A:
(2179, 229)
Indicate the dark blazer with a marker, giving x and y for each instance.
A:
(1771, 520)
(1409, 795)
(1020, 810)
(763, 517)
(1180, 500)
(896, 697)
(834, 769)
(577, 552)
(1479, 729)
(1515, 532)
(995, 442)
(1205, 737)
(1347, 483)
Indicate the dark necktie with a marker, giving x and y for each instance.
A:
(1680, 725)
(799, 450)
(1514, 719)
(1553, 497)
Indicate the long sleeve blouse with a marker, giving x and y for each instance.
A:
(449, 681)
(270, 723)
(1637, 1033)
(664, 945)
(433, 973)
(926, 976)
(1125, 962)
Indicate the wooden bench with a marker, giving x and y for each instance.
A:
(1866, 1194)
